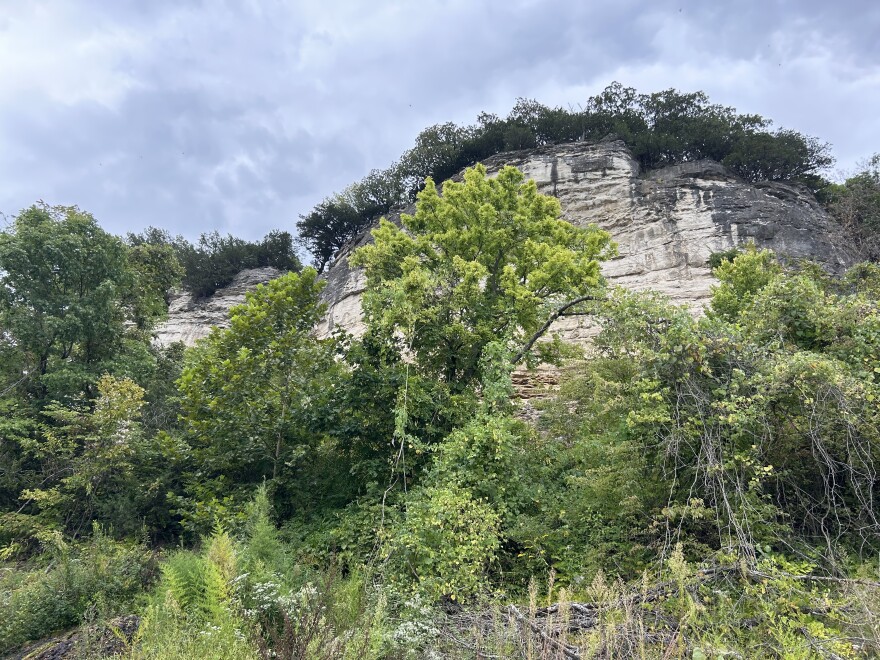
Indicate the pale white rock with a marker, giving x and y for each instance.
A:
(191, 319)
(666, 224)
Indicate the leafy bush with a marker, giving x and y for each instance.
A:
(448, 541)
(718, 258)
(101, 577)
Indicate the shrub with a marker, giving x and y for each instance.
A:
(102, 576)
(447, 541)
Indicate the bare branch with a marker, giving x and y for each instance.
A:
(559, 311)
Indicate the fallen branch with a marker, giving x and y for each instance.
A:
(583, 617)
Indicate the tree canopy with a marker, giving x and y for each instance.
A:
(214, 260)
(67, 289)
(660, 129)
(488, 260)
(249, 392)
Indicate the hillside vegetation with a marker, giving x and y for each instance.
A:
(697, 487)
(660, 129)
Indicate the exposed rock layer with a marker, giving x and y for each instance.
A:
(110, 639)
(190, 318)
(666, 223)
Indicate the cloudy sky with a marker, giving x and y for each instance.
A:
(238, 115)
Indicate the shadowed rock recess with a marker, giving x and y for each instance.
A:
(666, 223)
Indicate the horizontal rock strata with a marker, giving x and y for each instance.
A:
(667, 223)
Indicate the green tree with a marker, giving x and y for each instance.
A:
(467, 287)
(784, 155)
(250, 394)
(88, 459)
(66, 291)
(329, 226)
(157, 271)
(276, 251)
(341, 217)
(740, 280)
(489, 260)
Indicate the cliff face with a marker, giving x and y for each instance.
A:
(190, 319)
(666, 224)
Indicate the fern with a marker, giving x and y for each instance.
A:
(199, 584)
(184, 574)
(221, 553)
(264, 548)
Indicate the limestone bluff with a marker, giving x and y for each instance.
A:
(666, 223)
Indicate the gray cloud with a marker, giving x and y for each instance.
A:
(239, 115)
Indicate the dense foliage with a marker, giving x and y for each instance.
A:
(68, 289)
(249, 394)
(660, 129)
(77, 306)
(698, 486)
(856, 205)
(215, 260)
(486, 261)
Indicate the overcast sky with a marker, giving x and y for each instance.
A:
(240, 115)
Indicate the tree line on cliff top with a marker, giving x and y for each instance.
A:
(660, 129)
(214, 260)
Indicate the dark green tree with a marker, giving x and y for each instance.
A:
(329, 226)
(67, 289)
(856, 205)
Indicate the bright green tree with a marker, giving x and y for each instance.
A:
(751, 428)
(468, 286)
(740, 280)
(489, 260)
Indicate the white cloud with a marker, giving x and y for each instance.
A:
(56, 53)
(241, 114)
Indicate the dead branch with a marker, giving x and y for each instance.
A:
(582, 617)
